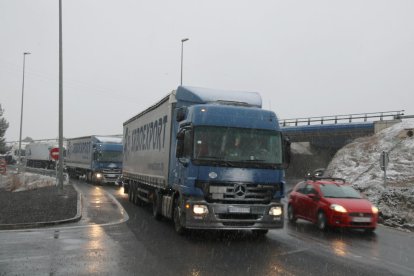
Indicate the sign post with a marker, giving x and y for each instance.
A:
(3, 167)
(384, 159)
(54, 154)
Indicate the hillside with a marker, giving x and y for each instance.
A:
(359, 163)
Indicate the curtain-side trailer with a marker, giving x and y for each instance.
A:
(96, 158)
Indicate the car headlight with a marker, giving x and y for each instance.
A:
(275, 211)
(338, 208)
(374, 209)
(200, 209)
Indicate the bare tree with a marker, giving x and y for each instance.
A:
(3, 127)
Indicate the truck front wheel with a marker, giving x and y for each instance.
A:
(178, 216)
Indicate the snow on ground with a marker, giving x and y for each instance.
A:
(359, 163)
(17, 182)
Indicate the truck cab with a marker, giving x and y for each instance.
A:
(231, 169)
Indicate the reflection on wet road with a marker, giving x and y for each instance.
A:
(106, 242)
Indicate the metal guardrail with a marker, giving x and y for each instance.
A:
(46, 172)
(349, 118)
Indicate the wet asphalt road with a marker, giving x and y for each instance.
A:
(116, 237)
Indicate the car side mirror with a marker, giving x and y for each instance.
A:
(313, 196)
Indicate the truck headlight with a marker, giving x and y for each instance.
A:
(98, 175)
(275, 211)
(200, 209)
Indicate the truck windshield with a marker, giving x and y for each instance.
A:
(237, 145)
(110, 156)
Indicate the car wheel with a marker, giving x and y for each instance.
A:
(369, 230)
(291, 214)
(321, 222)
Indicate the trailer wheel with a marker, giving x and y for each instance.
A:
(89, 177)
(178, 216)
(137, 201)
(156, 205)
(130, 194)
(126, 188)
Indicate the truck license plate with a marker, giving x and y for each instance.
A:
(361, 219)
(243, 210)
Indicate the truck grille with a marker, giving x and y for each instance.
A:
(237, 192)
(112, 171)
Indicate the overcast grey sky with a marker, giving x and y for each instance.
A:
(306, 58)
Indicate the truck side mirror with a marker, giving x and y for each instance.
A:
(181, 114)
(179, 152)
(286, 152)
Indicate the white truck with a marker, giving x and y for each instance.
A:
(12, 156)
(38, 155)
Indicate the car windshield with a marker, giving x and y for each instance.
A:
(339, 191)
(237, 145)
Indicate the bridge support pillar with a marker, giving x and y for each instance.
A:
(380, 125)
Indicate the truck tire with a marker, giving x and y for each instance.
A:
(89, 177)
(156, 205)
(130, 195)
(178, 226)
(135, 199)
(126, 188)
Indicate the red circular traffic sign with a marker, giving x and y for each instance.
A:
(54, 153)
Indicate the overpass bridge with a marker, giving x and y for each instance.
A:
(333, 132)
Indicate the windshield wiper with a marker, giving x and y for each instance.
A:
(216, 161)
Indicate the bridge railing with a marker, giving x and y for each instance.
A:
(349, 118)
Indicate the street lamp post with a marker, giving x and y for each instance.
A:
(60, 163)
(182, 46)
(21, 110)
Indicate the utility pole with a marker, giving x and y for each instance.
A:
(182, 57)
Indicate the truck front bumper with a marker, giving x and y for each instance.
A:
(233, 216)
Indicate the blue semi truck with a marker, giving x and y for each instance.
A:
(207, 159)
(96, 158)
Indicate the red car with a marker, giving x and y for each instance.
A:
(330, 202)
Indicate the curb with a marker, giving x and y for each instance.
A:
(29, 225)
